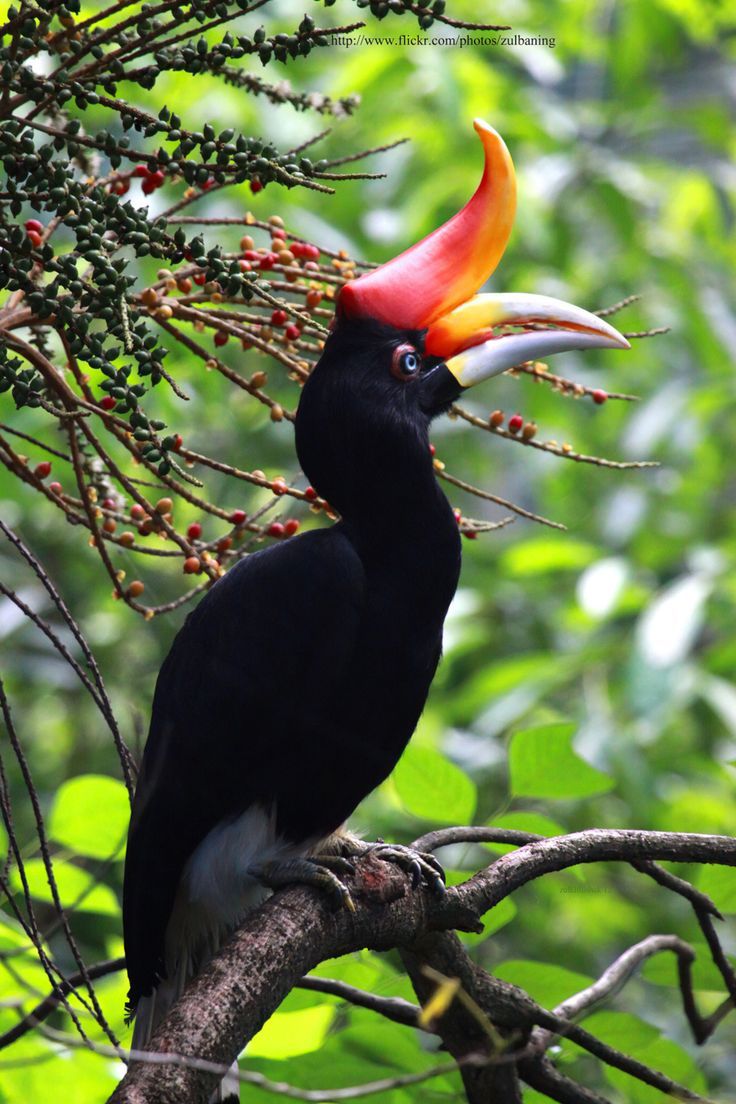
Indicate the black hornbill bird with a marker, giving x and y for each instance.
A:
(293, 688)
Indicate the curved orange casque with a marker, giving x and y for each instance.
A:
(444, 269)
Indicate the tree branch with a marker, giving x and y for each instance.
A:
(293, 931)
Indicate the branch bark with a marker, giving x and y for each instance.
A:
(293, 931)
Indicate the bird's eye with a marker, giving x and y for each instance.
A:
(405, 363)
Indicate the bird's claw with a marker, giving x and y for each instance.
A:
(422, 866)
(313, 872)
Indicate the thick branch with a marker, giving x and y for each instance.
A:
(225, 1006)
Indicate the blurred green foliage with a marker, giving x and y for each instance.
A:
(588, 677)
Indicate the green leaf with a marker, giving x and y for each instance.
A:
(77, 888)
(621, 1030)
(662, 1055)
(661, 969)
(90, 816)
(545, 982)
(719, 882)
(288, 1034)
(544, 554)
(542, 763)
(432, 787)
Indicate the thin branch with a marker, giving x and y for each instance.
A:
(391, 1008)
(50, 1003)
(250, 1077)
(613, 979)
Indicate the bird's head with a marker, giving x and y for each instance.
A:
(410, 336)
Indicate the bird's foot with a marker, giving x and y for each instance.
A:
(314, 872)
(422, 866)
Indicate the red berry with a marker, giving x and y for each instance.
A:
(43, 469)
(291, 527)
(278, 232)
(276, 529)
(432, 450)
(178, 442)
(120, 187)
(55, 488)
(252, 255)
(599, 396)
(107, 402)
(224, 544)
(109, 504)
(256, 185)
(470, 534)
(34, 238)
(147, 187)
(194, 532)
(209, 183)
(267, 261)
(297, 248)
(244, 266)
(141, 170)
(221, 338)
(199, 278)
(192, 566)
(279, 317)
(137, 512)
(278, 486)
(515, 423)
(158, 178)
(237, 517)
(310, 494)
(34, 224)
(292, 332)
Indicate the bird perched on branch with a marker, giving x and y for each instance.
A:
(293, 688)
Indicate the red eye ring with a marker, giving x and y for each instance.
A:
(406, 363)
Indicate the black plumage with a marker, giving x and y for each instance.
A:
(298, 680)
(293, 688)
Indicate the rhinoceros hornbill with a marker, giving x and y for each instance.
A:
(293, 688)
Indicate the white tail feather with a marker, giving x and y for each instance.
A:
(215, 894)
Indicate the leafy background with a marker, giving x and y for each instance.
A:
(588, 677)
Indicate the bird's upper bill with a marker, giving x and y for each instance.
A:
(432, 287)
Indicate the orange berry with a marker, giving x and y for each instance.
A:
(192, 565)
(127, 538)
(135, 589)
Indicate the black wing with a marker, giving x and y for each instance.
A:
(243, 692)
